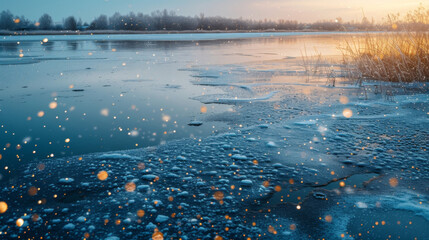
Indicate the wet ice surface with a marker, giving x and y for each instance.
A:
(80, 94)
(302, 160)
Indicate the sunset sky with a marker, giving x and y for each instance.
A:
(301, 10)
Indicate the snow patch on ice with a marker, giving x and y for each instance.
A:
(408, 201)
(117, 156)
(161, 218)
(306, 122)
(239, 157)
(69, 226)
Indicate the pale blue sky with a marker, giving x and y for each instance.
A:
(301, 10)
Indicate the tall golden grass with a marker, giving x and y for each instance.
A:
(392, 57)
(397, 56)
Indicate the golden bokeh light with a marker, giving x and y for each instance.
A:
(328, 218)
(130, 187)
(53, 105)
(104, 112)
(393, 182)
(203, 109)
(41, 114)
(19, 222)
(157, 235)
(344, 100)
(102, 175)
(3, 207)
(347, 113)
(32, 191)
(218, 195)
(140, 213)
(166, 118)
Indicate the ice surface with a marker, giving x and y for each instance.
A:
(282, 171)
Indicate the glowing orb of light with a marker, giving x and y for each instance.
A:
(104, 112)
(218, 195)
(130, 187)
(393, 182)
(53, 105)
(166, 118)
(328, 218)
(140, 213)
(102, 175)
(157, 235)
(3, 207)
(347, 113)
(19, 222)
(344, 100)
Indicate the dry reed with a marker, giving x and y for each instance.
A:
(393, 57)
(400, 56)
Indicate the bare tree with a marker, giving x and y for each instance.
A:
(70, 23)
(6, 20)
(99, 23)
(45, 22)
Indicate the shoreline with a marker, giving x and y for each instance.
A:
(131, 32)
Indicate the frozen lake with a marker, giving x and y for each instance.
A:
(211, 136)
(120, 91)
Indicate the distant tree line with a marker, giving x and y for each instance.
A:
(15, 23)
(165, 20)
